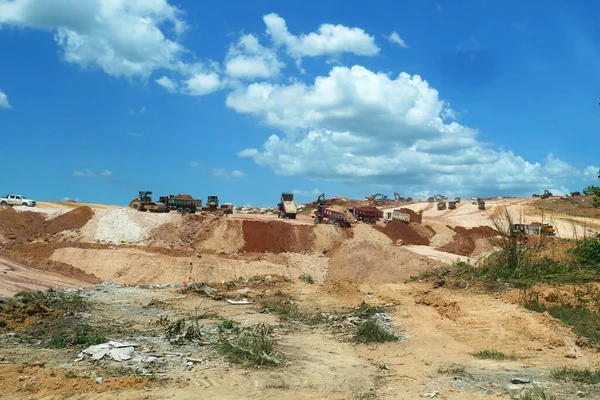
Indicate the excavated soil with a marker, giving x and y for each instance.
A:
(414, 217)
(470, 241)
(375, 263)
(276, 237)
(183, 197)
(400, 231)
(72, 220)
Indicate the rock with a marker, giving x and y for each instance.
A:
(431, 395)
(37, 363)
(518, 380)
(12, 236)
(99, 380)
(580, 394)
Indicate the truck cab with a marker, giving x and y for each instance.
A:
(17, 200)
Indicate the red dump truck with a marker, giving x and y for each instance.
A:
(366, 215)
(481, 205)
(324, 214)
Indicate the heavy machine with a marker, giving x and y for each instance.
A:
(324, 214)
(546, 194)
(287, 207)
(401, 199)
(227, 208)
(212, 203)
(378, 199)
(452, 205)
(532, 229)
(457, 200)
(396, 216)
(481, 205)
(441, 205)
(183, 206)
(144, 203)
(366, 215)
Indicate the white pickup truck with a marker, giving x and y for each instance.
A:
(16, 200)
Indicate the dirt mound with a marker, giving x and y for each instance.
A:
(484, 231)
(446, 308)
(375, 263)
(414, 217)
(398, 230)
(72, 220)
(425, 231)
(344, 210)
(19, 226)
(276, 237)
(470, 241)
(183, 197)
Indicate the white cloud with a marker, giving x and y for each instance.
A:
(202, 84)
(4, 100)
(396, 39)
(591, 172)
(134, 134)
(167, 83)
(194, 164)
(227, 174)
(358, 126)
(143, 110)
(125, 38)
(91, 174)
(247, 59)
(329, 40)
(306, 193)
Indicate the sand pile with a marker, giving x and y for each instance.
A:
(414, 217)
(375, 263)
(72, 220)
(183, 197)
(329, 238)
(470, 241)
(344, 210)
(398, 230)
(220, 235)
(276, 236)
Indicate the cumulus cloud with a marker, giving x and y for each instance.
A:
(91, 174)
(202, 84)
(248, 59)
(125, 38)
(167, 83)
(359, 126)
(329, 40)
(227, 174)
(591, 171)
(306, 193)
(134, 134)
(4, 100)
(396, 39)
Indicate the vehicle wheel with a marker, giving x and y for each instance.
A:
(3, 203)
(180, 210)
(137, 206)
(188, 211)
(293, 216)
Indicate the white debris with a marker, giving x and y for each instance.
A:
(116, 350)
(238, 302)
(115, 227)
(99, 380)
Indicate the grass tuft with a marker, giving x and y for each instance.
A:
(254, 346)
(537, 393)
(583, 375)
(493, 354)
(372, 332)
(307, 278)
(454, 370)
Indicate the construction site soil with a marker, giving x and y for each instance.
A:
(303, 280)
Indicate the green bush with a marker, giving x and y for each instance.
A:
(372, 332)
(587, 252)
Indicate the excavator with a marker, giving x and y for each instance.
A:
(378, 199)
(546, 194)
(144, 203)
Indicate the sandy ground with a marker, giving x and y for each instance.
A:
(439, 328)
(17, 277)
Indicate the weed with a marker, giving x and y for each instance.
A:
(365, 310)
(307, 278)
(187, 328)
(587, 252)
(226, 325)
(576, 375)
(71, 375)
(537, 393)
(56, 299)
(372, 332)
(57, 342)
(252, 346)
(285, 308)
(493, 354)
(455, 370)
(84, 335)
(156, 303)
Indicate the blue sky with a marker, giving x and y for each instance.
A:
(102, 98)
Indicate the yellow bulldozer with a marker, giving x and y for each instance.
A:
(144, 203)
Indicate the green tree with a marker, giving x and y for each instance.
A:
(593, 191)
